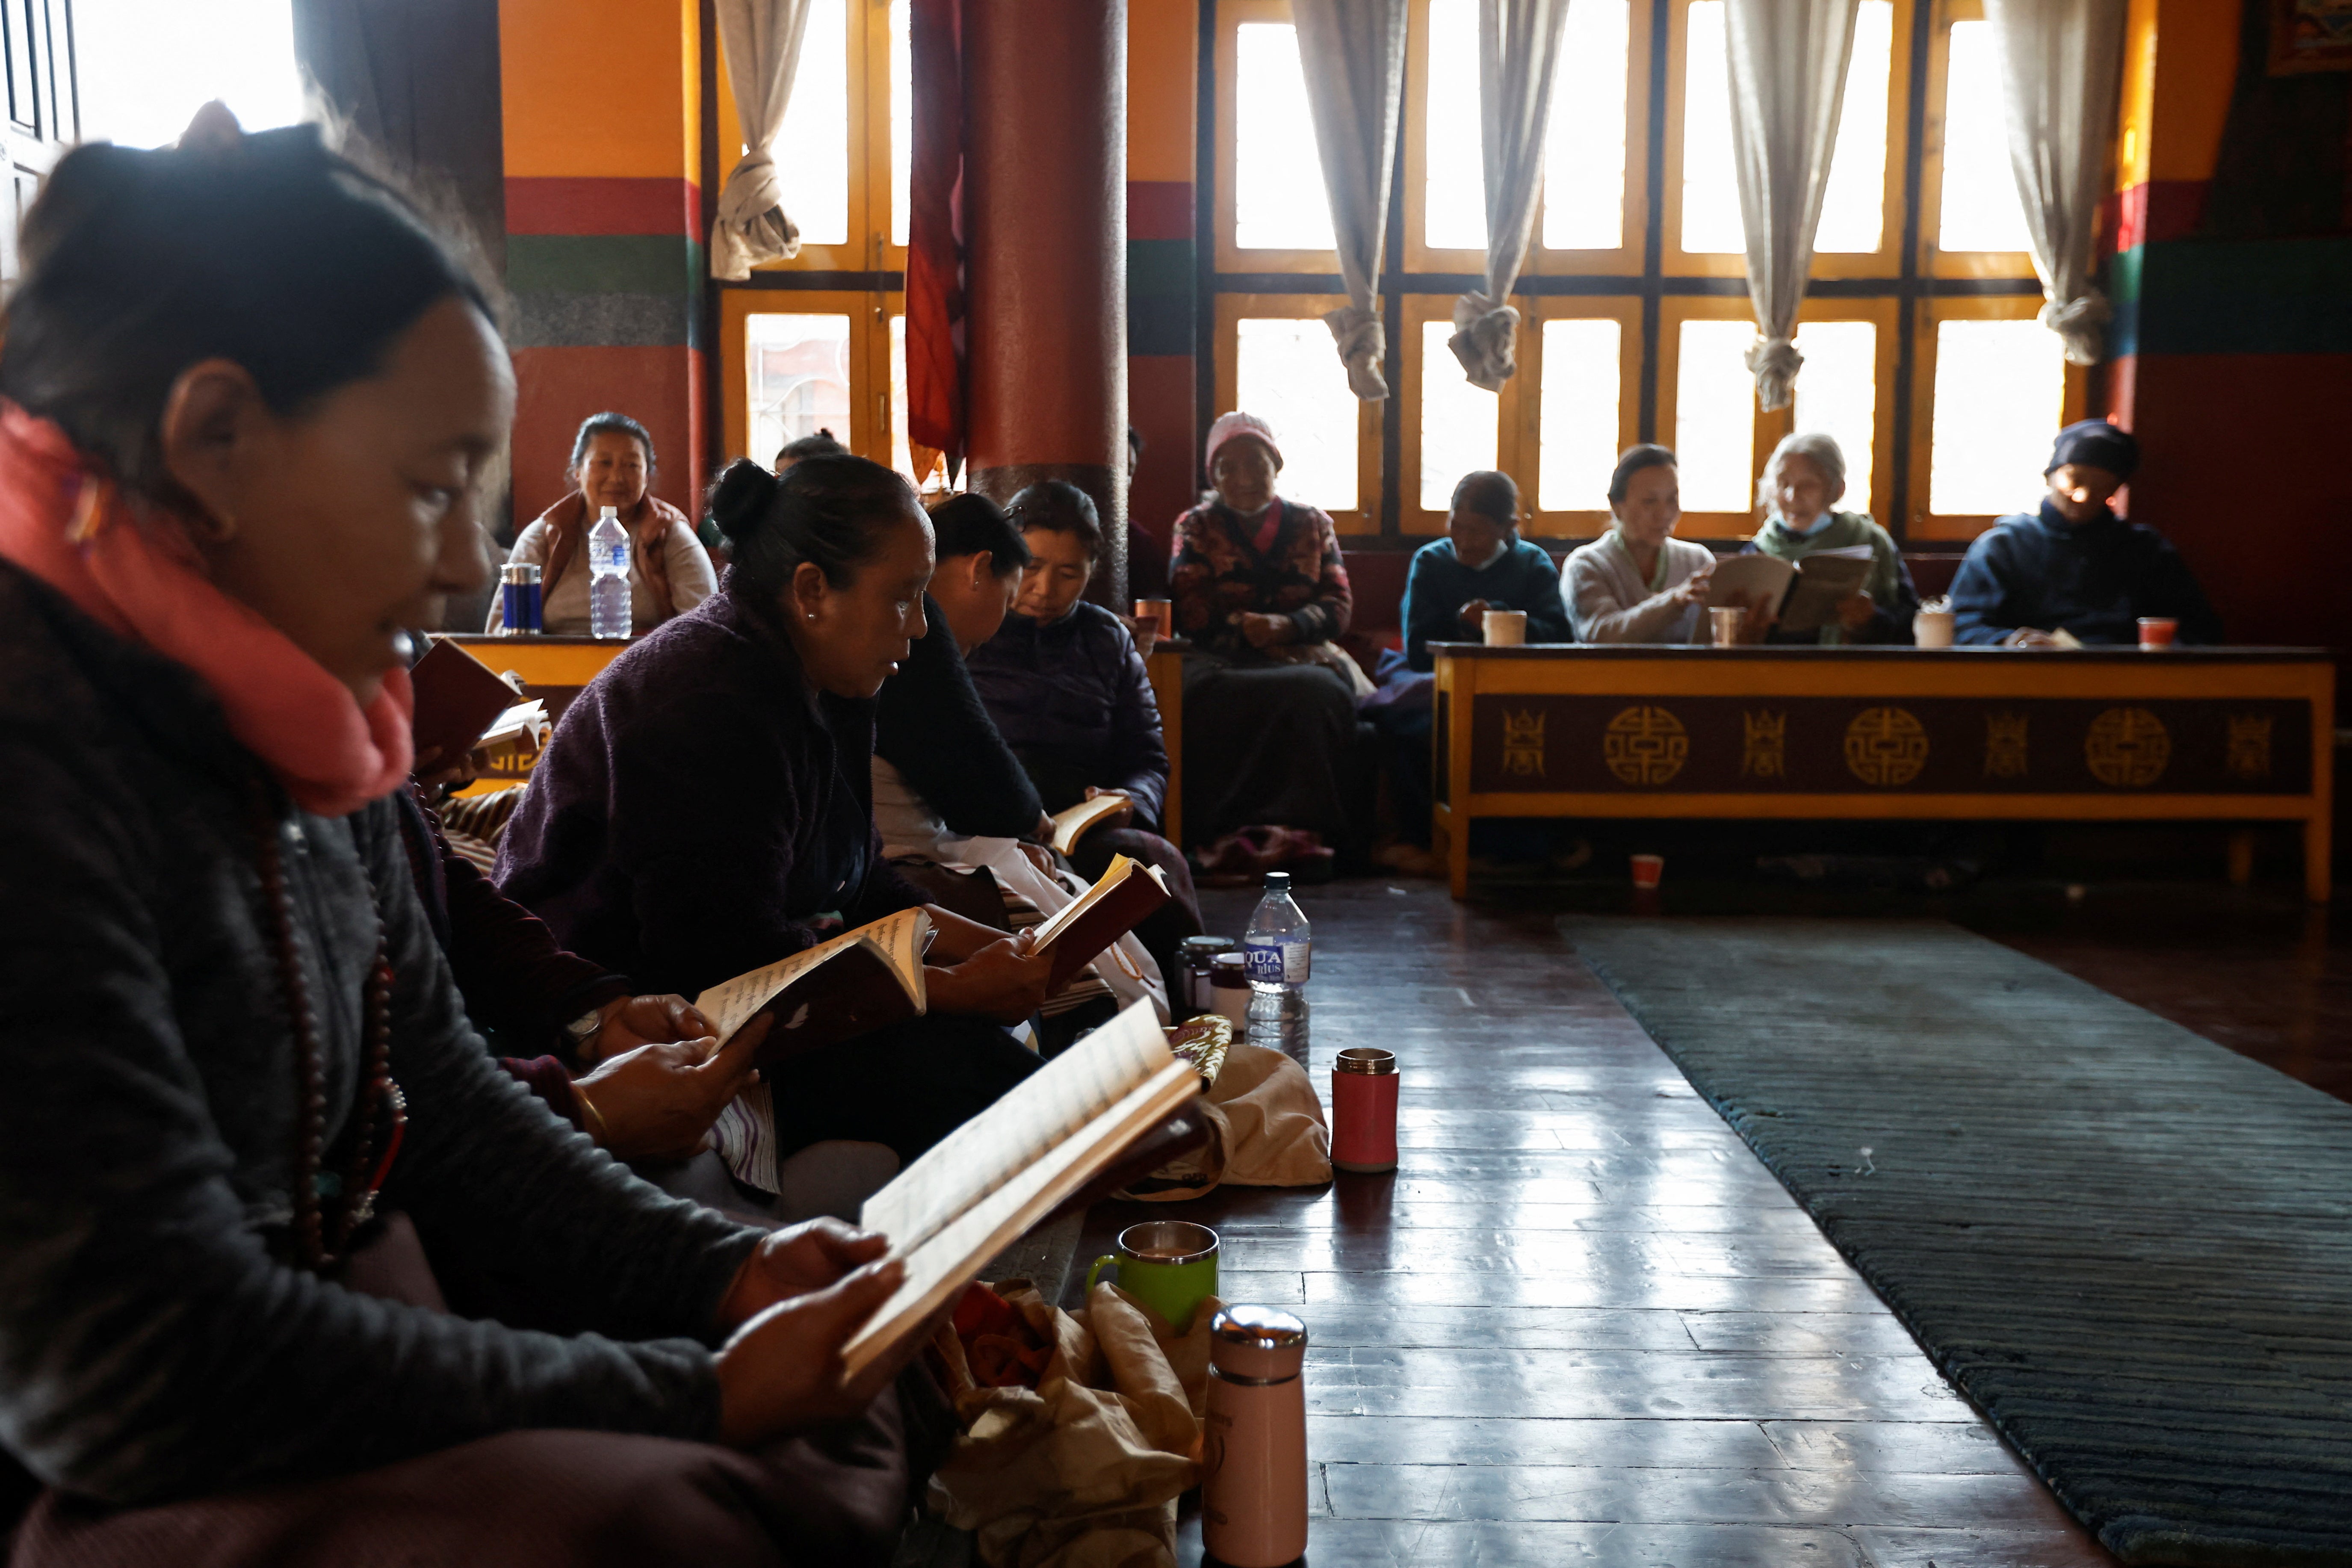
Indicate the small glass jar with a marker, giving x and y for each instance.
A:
(1229, 990)
(1196, 954)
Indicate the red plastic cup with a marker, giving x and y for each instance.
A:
(1648, 870)
(1364, 1110)
(2156, 631)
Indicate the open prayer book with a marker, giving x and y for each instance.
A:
(1076, 822)
(1127, 892)
(987, 1183)
(858, 981)
(462, 705)
(1802, 595)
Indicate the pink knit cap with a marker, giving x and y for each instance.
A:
(1229, 427)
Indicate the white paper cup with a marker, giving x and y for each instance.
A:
(1724, 624)
(1932, 628)
(1507, 628)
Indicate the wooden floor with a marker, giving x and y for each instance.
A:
(1582, 1323)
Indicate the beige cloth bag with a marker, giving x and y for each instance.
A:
(1266, 1130)
(1084, 1471)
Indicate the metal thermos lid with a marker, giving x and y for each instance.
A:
(1230, 962)
(1204, 948)
(1369, 1060)
(520, 571)
(1268, 1328)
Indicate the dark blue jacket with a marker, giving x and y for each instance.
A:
(1438, 585)
(2097, 580)
(1073, 701)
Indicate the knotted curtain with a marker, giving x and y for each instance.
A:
(762, 42)
(1352, 53)
(1518, 58)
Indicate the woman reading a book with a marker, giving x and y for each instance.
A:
(1068, 690)
(1638, 583)
(1803, 483)
(669, 572)
(705, 809)
(250, 1150)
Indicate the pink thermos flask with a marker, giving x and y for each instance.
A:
(1254, 1488)
(1364, 1110)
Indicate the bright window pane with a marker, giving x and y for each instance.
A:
(812, 150)
(1837, 396)
(1288, 374)
(1454, 196)
(1980, 209)
(900, 458)
(1710, 190)
(1578, 414)
(902, 119)
(1278, 200)
(1457, 419)
(798, 371)
(1584, 146)
(1715, 416)
(1853, 210)
(1999, 387)
(145, 66)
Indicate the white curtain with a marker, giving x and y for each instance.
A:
(1352, 52)
(2061, 61)
(1788, 61)
(762, 42)
(1518, 57)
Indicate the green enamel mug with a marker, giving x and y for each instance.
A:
(1169, 1265)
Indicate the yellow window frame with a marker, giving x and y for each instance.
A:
(2073, 402)
(1234, 309)
(1933, 261)
(1232, 15)
(869, 433)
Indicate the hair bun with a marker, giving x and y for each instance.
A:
(741, 498)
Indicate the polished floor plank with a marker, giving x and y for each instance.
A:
(1896, 1547)
(1678, 1496)
(1397, 1543)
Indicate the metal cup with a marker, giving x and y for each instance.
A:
(1169, 1265)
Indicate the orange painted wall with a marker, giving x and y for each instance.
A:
(601, 88)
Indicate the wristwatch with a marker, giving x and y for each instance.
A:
(584, 1029)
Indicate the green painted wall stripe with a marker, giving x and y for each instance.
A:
(604, 264)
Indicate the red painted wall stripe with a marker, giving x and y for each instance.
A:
(584, 206)
(1159, 209)
(2154, 211)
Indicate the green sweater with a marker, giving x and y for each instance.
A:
(1889, 586)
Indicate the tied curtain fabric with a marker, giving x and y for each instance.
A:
(1518, 58)
(1787, 60)
(762, 42)
(1353, 55)
(935, 277)
(2060, 65)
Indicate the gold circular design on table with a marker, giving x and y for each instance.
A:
(2127, 748)
(1645, 746)
(1885, 746)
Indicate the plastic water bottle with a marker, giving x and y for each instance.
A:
(1280, 951)
(608, 590)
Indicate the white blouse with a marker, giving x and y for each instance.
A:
(1609, 600)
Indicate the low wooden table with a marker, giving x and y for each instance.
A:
(2107, 734)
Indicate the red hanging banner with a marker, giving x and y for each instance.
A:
(934, 257)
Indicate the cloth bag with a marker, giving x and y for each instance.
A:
(1266, 1129)
(1084, 1471)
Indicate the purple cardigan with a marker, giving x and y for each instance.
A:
(700, 807)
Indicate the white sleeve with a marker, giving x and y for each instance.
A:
(691, 578)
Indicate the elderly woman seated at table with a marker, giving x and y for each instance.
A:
(1803, 483)
(1068, 690)
(1481, 564)
(669, 572)
(704, 807)
(1269, 696)
(2076, 566)
(1638, 583)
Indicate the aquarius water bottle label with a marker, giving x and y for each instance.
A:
(1277, 962)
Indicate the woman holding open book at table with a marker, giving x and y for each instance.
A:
(248, 1139)
(1638, 583)
(705, 808)
(1803, 483)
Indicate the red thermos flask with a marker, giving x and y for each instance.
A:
(1364, 1110)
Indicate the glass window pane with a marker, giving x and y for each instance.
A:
(1288, 374)
(1458, 420)
(1278, 200)
(812, 150)
(1710, 191)
(901, 457)
(1578, 414)
(1999, 389)
(1853, 210)
(1454, 198)
(1715, 416)
(1837, 394)
(1584, 145)
(902, 118)
(797, 368)
(147, 66)
(1980, 209)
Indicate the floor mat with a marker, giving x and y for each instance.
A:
(2130, 1247)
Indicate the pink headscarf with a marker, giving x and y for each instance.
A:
(1232, 426)
(142, 578)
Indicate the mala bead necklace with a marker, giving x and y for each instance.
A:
(330, 1206)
